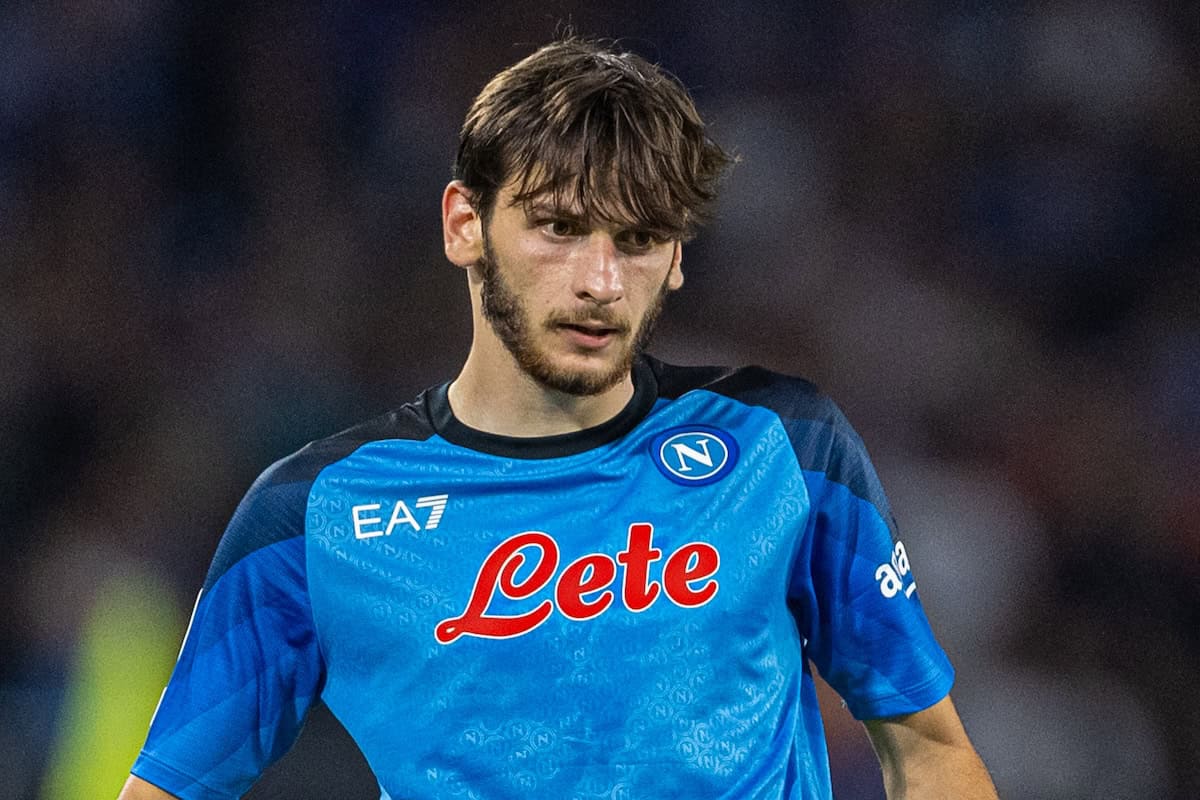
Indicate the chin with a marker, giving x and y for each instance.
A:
(596, 378)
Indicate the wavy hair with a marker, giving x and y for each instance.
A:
(598, 131)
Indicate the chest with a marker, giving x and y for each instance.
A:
(425, 547)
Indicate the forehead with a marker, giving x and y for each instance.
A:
(579, 198)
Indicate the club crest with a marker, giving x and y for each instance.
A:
(694, 455)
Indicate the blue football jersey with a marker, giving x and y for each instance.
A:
(624, 612)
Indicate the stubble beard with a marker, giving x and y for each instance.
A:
(506, 313)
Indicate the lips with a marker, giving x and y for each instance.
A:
(593, 330)
(589, 336)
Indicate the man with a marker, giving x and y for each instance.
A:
(574, 571)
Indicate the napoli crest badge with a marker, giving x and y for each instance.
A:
(694, 455)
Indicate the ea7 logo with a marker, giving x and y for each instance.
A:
(367, 525)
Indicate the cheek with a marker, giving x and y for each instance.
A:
(653, 279)
(528, 270)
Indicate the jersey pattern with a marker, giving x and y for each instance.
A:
(624, 612)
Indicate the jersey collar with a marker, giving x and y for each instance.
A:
(448, 426)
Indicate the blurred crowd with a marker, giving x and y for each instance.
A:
(973, 224)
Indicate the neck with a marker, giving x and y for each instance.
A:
(495, 395)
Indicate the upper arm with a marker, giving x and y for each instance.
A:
(928, 751)
(250, 666)
(853, 589)
(137, 789)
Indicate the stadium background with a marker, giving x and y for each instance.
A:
(974, 224)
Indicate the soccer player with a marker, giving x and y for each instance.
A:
(574, 571)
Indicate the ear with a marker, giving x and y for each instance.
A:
(675, 276)
(462, 229)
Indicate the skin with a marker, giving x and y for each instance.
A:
(137, 789)
(927, 756)
(560, 269)
(557, 308)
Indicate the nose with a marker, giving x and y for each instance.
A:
(598, 276)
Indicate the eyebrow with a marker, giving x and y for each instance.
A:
(548, 207)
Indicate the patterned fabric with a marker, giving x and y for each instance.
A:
(623, 612)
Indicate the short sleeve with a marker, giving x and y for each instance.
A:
(853, 590)
(250, 666)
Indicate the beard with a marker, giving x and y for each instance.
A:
(510, 319)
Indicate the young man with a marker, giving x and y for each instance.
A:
(574, 571)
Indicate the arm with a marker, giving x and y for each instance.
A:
(928, 755)
(250, 666)
(137, 789)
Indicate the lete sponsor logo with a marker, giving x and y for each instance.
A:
(581, 591)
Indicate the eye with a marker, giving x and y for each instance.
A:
(560, 227)
(638, 240)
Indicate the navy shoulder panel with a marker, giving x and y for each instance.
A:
(822, 437)
(676, 381)
(273, 509)
(791, 398)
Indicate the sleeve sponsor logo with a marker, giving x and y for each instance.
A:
(694, 455)
(891, 576)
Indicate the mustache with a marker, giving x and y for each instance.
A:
(591, 318)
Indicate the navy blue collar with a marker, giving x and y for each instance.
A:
(448, 426)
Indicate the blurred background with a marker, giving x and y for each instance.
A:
(974, 224)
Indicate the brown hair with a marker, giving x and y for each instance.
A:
(600, 131)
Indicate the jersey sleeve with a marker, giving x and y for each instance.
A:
(250, 666)
(853, 587)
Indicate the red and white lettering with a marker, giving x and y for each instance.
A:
(500, 569)
(687, 580)
(693, 562)
(638, 591)
(589, 574)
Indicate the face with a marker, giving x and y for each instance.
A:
(573, 303)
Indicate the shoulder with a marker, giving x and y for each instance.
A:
(822, 438)
(792, 398)
(273, 509)
(410, 421)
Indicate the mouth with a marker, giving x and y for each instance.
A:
(592, 336)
